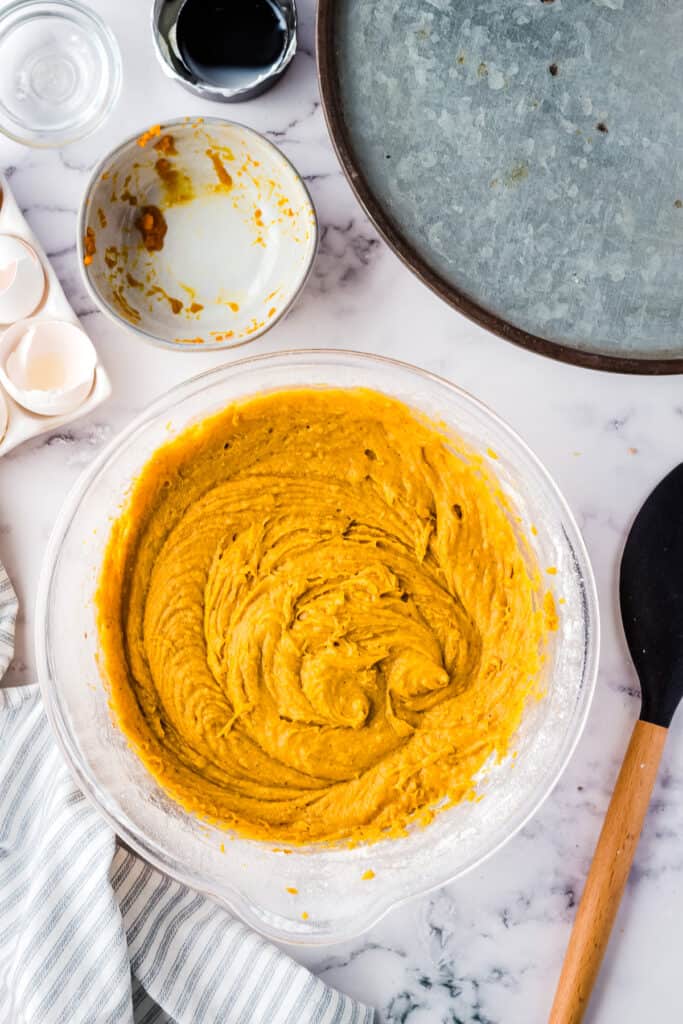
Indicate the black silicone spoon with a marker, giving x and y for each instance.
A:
(651, 595)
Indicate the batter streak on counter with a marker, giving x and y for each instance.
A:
(316, 619)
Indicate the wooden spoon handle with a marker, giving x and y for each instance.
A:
(608, 873)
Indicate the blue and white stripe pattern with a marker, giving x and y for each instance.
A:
(90, 934)
(8, 615)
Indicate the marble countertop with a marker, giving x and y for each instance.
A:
(487, 948)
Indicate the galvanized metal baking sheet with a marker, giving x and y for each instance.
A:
(530, 156)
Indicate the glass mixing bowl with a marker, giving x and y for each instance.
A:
(252, 877)
(60, 72)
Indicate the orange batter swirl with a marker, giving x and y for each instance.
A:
(316, 618)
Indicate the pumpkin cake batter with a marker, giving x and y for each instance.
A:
(316, 619)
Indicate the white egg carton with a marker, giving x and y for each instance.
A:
(23, 424)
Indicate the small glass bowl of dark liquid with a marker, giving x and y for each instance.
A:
(227, 50)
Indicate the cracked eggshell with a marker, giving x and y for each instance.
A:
(47, 366)
(4, 416)
(22, 279)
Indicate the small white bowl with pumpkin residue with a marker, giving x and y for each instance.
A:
(197, 233)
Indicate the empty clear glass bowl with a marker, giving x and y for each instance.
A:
(60, 72)
(252, 878)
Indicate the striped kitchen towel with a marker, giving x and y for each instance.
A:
(8, 615)
(90, 934)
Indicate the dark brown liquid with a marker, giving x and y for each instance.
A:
(230, 43)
